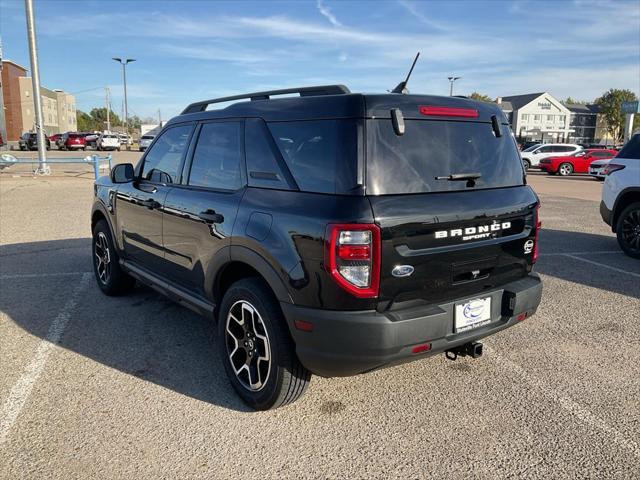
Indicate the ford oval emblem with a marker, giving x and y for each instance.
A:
(402, 271)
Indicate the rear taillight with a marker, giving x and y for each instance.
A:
(353, 258)
(538, 225)
(612, 167)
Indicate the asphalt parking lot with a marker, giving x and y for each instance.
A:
(132, 387)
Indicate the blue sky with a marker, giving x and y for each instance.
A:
(189, 51)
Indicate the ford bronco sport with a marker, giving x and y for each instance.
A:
(331, 232)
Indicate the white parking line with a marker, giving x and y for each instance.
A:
(20, 392)
(609, 267)
(40, 275)
(574, 408)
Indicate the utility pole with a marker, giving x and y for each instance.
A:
(35, 78)
(3, 124)
(107, 99)
(451, 82)
(159, 118)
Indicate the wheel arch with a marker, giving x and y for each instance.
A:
(625, 198)
(244, 263)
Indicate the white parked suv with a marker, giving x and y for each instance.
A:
(145, 141)
(108, 141)
(531, 156)
(620, 205)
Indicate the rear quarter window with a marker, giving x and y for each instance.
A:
(631, 149)
(322, 155)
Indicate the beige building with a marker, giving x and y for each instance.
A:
(58, 107)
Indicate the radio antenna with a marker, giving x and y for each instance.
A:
(402, 86)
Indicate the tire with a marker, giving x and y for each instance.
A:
(628, 230)
(118, 149)
(565, 169)
(111, 279)
(261, 385)
(526, 163)
(83, 148)
(600, 179)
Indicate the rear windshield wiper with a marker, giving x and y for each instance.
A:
(455, 177)
(460, 176)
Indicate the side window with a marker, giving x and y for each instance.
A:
(544, 150)
(631, 149)
(263, 168)
(216, 159)
(322, 155)
(162, 162)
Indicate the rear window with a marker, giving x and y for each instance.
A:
(74, 135)
(321, 154)
(631, 149)
(429, 149)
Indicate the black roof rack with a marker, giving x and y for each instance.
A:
(303, 91)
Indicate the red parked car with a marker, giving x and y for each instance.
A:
(72, 141)
(578, 163)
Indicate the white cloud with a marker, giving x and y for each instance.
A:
(421, 17)
(326, 12)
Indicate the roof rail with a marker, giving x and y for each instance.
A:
(303, 91)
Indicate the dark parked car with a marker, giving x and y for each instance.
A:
(29, 141)
(332, 233)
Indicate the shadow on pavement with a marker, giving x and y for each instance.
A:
(577, 271)
(141, 334)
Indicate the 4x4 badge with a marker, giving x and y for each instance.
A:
(402, 271)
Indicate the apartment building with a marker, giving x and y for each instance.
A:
(58, 107)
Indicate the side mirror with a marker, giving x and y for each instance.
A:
(122, 173)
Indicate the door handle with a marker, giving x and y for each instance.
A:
(210, 216)
(150, 203)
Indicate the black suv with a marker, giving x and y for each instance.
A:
(331, 233)
(29, 141)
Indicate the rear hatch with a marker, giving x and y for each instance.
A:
(461, 237)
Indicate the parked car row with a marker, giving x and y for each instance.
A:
(580, 162)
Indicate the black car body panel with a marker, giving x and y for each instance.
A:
(235, 192)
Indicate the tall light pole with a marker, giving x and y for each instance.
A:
(451, 81)
(124, 79)
(35, 80)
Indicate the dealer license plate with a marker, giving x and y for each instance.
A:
(472, 314)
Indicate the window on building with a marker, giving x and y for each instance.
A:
(525, 117)
(216, 160)
(549, 118)
(536, 118)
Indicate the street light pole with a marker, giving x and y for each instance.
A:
(124, 80)
(451, 81)
(35, 80)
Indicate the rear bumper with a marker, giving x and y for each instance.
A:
(344, 343)
(546, 167)
(605, 213)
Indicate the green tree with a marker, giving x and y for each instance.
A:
(99, 116)
(84, 121)
(610, 104)
(481, 97)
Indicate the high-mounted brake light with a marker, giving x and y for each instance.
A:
(448, 111)
(353, 258)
